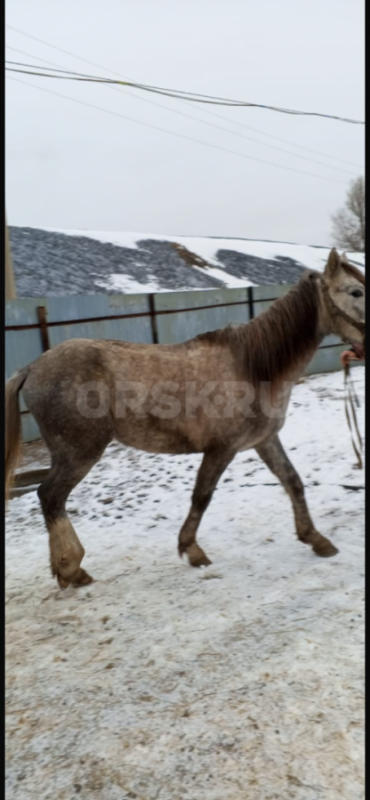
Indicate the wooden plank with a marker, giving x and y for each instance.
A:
(31, 477)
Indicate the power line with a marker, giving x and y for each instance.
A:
(200, 98)
(205, 111)
(178, 135)
(68, 72)
(182, 95)
(279, 139)
(32, 55)
(234, 133)
(217, 127)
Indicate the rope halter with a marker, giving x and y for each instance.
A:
(335, 311)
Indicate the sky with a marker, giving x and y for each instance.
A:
(69, 165)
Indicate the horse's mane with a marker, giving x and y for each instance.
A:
(277, 339)
(352, 270)
(282, 336)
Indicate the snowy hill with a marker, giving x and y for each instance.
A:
(61, 262)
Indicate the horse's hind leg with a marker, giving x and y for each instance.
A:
(211, 469)
(274, 456)
(66, 551)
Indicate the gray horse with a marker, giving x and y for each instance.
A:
(217, 394)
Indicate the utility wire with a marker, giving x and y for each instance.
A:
(182, 95)
(278, 138)
(178, 135)
(202, 98)
(227, 130)
(99, 66)
(217, 116)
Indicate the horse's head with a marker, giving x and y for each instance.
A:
(343, 288)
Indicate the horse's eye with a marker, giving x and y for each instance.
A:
(356, 293)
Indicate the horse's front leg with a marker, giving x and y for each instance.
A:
(213, 465)
(274, 456)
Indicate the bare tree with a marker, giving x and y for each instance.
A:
(349, 222)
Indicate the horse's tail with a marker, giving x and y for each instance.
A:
(12, 426)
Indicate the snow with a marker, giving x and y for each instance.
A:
(124, 283)
(243, 681)
(127, 284)
(230, 281)
(311, 257)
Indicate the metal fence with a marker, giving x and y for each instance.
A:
(33, 325)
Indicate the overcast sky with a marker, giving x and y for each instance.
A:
(72, 166)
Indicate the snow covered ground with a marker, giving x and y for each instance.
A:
(243, 681)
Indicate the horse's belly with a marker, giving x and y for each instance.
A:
(151, 438)
(178, 420)
(196, 436)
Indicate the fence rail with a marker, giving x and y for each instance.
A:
(33, 325)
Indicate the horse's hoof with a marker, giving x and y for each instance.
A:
(325, 549)
(63, 582)
(200, 562)
(80, 578)
(197, 556)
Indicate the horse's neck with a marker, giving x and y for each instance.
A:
(307, 334)
(287, 334)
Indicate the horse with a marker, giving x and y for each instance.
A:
(220, 393)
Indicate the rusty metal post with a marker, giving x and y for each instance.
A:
(41, 316)
(153, 318)
(10, 292)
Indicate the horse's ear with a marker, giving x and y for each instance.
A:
(333, 263)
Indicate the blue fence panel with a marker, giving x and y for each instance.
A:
(21, 348)
(99, 317)
(178, 325)
(124, 330)
(79, 307)
(23, 311)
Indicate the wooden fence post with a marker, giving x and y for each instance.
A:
(10, 292)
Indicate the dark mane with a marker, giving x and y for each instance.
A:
(352, 270)
(279, 338)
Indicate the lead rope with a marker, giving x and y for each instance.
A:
(350, 402)
(350, 398)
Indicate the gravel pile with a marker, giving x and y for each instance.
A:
(48, 263)
(261, 271)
